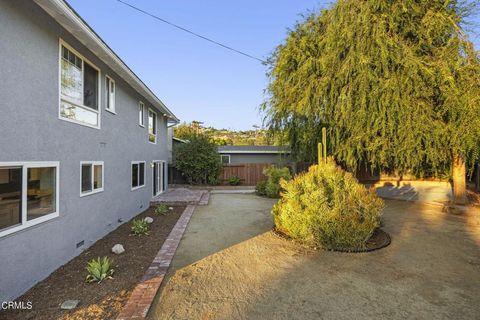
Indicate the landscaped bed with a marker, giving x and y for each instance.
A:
(99, 300)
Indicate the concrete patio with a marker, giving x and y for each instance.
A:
(182, 196)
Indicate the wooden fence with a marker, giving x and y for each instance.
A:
(249, 173)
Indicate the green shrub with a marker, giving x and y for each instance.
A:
(274, 176)
(326, 206)
(99, 270)
(234, 180)
(161, 209)
(213, 181)
(139, 227)
(198, 160)
(260, 188)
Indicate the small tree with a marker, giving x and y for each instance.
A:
(198, 160)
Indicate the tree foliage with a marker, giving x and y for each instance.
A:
(222, 137)
(397, 84)
(198, 160)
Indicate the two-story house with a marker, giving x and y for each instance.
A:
(83, 141)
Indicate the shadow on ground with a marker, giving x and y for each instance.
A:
(227, 220)
(430, 271)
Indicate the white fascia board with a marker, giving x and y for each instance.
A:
(61, 12)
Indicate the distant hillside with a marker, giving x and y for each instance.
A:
(259, 137)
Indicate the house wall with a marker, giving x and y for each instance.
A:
(257, 158)
(31, 131)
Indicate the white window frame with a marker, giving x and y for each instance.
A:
(25, 166)
(144, 174)
(61, 43)
(109, 96)
(225, 155)
(141, 114)
(92, 163)
(155, 125)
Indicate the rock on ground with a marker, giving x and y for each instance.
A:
(118, 249)
(148, 220)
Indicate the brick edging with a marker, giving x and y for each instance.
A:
(143, 294)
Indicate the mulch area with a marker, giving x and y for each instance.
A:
(106, 299)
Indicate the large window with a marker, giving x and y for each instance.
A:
(91, 174)
(110, 94)
(79, 88)
(138, 174)
(152, 126)
(28, 194)
(141, 114)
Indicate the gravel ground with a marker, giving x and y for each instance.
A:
(231, 266)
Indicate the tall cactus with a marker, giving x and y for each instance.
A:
(320, 153)
(324, 142)
(322, 147)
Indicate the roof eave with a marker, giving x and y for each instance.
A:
(64, 14)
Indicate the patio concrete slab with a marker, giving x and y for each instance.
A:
(182, 196)
(229, 265)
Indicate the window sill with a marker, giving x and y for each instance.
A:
(84, 194)
(141, 125)
(139, 187)
(28, 224)
(111, 111)
(79, 123)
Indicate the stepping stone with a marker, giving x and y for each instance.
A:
(69, 304)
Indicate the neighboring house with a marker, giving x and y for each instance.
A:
(172, 142)
(177, 141)
(254, 154)
(83, 141)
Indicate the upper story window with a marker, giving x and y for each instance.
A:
(79, 88)
(152, 126)
(28, 194)
(141, 114)
(110, 94)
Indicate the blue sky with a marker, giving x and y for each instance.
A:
(196, 79)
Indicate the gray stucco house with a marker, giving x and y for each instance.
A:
(83, 141)
(254, 154)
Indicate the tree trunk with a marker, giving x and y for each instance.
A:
(459, 180)
(477, 178)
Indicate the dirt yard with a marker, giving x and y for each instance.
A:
(231, 266)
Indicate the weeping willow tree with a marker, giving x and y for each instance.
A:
(396, 83)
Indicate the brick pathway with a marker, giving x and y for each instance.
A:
(142, 296)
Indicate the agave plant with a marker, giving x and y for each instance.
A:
(161, 209)
(139, 227)
(99, 270)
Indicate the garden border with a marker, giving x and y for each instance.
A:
(386, 242)
(143, 294)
